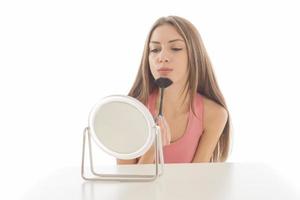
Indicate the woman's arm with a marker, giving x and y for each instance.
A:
(214, 120)
(126, 162)
(147, 158)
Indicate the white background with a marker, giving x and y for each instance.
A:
(59, 57)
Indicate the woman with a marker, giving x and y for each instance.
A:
(195, 126)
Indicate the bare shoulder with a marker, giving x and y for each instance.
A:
(214, 114)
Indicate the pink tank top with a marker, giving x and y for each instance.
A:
(183, 149)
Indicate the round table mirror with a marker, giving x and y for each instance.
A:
(122, 126)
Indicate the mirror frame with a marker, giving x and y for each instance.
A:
(141, 108)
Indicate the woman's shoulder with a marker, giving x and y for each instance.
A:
(213, 112)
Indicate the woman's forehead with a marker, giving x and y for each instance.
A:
(165, 33)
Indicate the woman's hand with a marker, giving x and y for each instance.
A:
(164, 130)
(149, 156)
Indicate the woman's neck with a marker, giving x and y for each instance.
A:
(175, 101)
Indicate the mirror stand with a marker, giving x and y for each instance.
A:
(95, 176)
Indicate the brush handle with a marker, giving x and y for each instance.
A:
(161, 101)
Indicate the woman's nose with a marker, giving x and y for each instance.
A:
(163, 57)
(162, 60)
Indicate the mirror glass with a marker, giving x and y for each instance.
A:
(122, 126)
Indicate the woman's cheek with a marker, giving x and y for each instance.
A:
(153, 72)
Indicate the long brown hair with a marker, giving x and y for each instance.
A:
(201, 76)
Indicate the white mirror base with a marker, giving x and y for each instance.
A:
(96, 176)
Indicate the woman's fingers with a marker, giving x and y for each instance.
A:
(165, 130)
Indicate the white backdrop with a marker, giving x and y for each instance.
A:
(58, 58)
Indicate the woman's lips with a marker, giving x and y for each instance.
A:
(164, 70)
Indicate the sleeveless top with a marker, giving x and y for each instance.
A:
(183, 149)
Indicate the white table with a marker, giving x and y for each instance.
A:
(180, 181)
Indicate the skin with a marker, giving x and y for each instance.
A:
(168, 49)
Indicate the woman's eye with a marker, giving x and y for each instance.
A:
(176, 49)
(154, 50)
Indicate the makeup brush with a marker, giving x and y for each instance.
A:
(162, 83)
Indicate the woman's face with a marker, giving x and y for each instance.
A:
(168, 54)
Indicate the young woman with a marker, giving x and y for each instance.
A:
(195, 126)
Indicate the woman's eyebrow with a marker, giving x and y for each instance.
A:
(175, 40)
(170, 41)
(154, 42)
